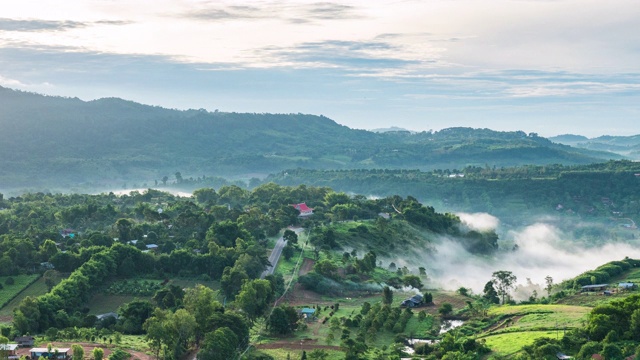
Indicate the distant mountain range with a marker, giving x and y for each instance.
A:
(62, 142)
(628, 146)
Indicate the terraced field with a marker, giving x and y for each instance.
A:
(521, 325)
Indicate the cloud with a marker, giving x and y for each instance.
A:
(291, 13)
(34, 25)
(38, 25)
(479, 221)
(543, 250)
(328, 11)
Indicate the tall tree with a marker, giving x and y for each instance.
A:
(387, 295)
(549, 284)
(489, 293)
(504, 282)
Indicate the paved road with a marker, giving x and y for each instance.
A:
(275, 254)
(274, 257)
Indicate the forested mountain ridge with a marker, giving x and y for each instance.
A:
(60, 142)
(628, 146)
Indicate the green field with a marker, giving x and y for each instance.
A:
(102, 303)
(510, 343)
(24, 285)
(538, 317)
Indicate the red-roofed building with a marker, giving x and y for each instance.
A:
(304, 209)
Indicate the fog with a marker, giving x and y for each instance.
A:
(543, 249)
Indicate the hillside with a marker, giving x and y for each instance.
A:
(61, 142)
(628, 146)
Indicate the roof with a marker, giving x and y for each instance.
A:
(626, 284)
(302, 207)
(594, 286)
(9, 347)
(308, 311)
(562, 356)
(417, 298)
(152, 246)
(22, 338)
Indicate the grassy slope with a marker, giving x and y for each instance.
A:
(36, 288)
(103, 303)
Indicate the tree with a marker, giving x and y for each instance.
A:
(78, 352)
(200, 302)
(98, 353)
(413, 281)
(489, 293)
(612, 352)
(219, 345)
(318, 354)
(549, 281)
(254, 298)
(4, 353)
(387, 296)
(290, 236)
(445, 309)
(504, 281)
(283, 320)
(288, 251)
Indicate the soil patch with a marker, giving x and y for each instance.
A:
(88, 349)
(307, 345)
(307, 266)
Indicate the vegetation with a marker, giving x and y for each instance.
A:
(220, 236)
(160, 147)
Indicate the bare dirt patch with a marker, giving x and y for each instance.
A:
(88, 349)
(307, 266)
(305, 344)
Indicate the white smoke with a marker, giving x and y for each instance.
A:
(543, 250)
(479, 221)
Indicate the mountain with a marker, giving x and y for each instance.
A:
(62, 142)
(628, 146)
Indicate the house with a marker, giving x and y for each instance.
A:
(596, 287)
(56, 353)
(9, 350)
(304, 209)
(25, 341)
(153, 247)
(384, 215)
(307, 313)
(414, 301)
(626, 285)
(562, 356)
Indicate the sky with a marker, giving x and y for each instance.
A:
(546, 66)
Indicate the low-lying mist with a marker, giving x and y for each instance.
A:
(542, 249)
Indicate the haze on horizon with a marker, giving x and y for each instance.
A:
(551, 67)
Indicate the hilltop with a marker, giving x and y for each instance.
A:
(61, 142)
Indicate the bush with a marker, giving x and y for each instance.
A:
(9, 281)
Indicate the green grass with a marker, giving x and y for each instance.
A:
(135, 342)
(102, 303)
(25, 285)
(281, 354)
(539, 317)
(511, 343)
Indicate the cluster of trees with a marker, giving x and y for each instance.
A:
(601, 275)
(511, 192)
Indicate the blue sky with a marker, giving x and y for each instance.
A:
(545, 66)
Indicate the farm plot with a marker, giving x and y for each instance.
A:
(511, 343)
(14, 291)
(538, 317)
